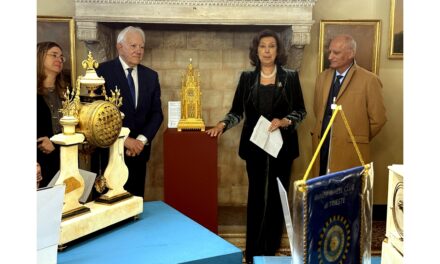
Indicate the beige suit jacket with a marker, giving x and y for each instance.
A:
(361, 99)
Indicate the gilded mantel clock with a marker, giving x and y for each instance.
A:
(191, 106)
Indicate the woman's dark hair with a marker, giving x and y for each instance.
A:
(60, 84)
(281, 58)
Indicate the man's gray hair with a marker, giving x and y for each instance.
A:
(123, 33)
(350, 42)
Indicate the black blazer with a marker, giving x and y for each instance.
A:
(50, 163)
(291, 101)
(147, 117)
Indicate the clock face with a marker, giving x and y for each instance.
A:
(190, 92)
(398, 208)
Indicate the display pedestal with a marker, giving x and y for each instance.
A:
(100, 216)
(190, 175)
(390, 255)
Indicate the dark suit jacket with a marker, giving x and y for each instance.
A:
(290, 102)
(147, 117)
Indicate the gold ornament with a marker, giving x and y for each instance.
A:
(191, 106)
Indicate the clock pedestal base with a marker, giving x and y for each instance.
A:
(191, 124)
(99, 217)
(390, 255)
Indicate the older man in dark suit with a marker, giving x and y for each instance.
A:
(140, 90)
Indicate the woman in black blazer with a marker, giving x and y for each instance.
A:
(275, 93)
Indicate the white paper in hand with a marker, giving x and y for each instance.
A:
(271, 142)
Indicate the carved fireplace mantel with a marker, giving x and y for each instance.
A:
(296, 14)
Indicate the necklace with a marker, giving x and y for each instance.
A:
(50, 89)
(270, 75)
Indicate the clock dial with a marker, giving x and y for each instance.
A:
(398, 208)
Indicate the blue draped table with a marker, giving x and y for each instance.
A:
(161, 235)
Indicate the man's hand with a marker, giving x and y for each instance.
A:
(45, 145)
(39, 176)
(134, 146)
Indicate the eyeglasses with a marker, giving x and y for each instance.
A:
(56, 56)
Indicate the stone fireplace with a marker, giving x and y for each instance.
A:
(216, 35)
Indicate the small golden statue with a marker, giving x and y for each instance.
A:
(191, 106)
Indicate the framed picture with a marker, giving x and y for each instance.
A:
(396, 30)
(62, 31)
(366, 33)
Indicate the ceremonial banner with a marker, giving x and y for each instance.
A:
(334, 213)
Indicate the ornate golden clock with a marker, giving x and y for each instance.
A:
(191, 106)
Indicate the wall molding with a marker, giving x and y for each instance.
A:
(296, 14)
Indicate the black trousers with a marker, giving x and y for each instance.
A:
(265, 221)
(50, 165)
(323, 155)
(137, 173)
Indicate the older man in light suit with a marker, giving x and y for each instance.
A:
(359, 92)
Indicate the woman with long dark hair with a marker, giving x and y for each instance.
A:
(50, 93)
(275, 93)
